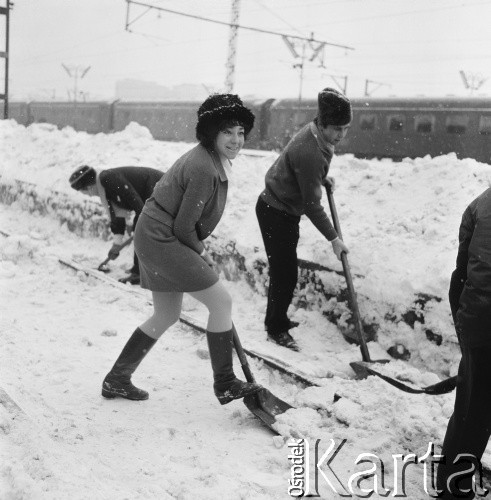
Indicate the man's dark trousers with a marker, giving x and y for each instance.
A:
(280, 232)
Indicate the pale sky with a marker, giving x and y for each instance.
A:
(412, 47)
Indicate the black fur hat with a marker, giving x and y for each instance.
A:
(82, 177)
(218, 108)
(334, 108)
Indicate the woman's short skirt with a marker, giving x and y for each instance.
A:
(166, 264)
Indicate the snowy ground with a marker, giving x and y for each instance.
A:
(61, 331)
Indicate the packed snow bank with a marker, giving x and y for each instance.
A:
(181, 443)
(62, 331)
(400, 221)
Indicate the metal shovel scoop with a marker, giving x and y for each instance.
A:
(264, 404)
(365, 368)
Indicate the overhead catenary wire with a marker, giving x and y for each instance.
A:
(224, 23)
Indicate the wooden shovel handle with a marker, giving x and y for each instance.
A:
(349, 280)
(124, 244)
(242, 357)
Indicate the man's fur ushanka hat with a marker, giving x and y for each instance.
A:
(334, 108)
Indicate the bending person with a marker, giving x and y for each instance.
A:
(122, 190)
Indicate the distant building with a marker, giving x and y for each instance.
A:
(139, 90)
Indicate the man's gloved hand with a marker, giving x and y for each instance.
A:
(330, 183)
(114, 251)
(129, 229)
(338, 247)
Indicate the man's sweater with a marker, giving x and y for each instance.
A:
(295, 180)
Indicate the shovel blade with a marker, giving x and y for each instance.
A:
(361, 368)
(443, 387)
(266, 406)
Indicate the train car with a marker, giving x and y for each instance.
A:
(382, 127)
(399, 127)
(92, 117)
(166, 121)
(18, 111)
(173, 120)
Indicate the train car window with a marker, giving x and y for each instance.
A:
(396, 123)
(485, 125)
(424, 124)
(456, 124)
(368, 122)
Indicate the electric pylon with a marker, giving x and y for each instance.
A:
(232, 46)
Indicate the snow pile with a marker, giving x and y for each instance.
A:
(62, 331)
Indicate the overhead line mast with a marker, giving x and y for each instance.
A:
(229, 82)
(5, 11)
(232, 47)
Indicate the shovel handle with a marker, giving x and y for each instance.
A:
(124, 244)
(349, 280)
(102, 264)
(242, 357)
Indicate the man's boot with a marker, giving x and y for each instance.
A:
(118, 381)
(227, 386)
(284, 339)
(132, 279)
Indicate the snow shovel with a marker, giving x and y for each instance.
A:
(264, 404)
(364, 368)
(103, 265)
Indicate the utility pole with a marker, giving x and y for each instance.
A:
(314, 46)
(232, 47)
(299, 48)
(343, 87)
(75, 72)
(472, 81)
(5, 11)
(367, 85)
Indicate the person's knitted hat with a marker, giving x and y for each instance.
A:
(218, 108)
(334, 108)
(82, 177)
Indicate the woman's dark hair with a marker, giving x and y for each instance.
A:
(207, 137)
(218, 112)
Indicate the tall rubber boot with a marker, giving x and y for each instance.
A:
(118, 381)
(226, 385)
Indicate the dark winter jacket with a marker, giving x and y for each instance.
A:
(190, 198)
(470, 286)
(295, 181)
(128, 188)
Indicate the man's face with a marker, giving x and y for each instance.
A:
(334, 134)
(90, 190)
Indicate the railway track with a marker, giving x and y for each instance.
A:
(273, 363)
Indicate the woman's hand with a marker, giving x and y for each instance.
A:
(207, 258)
(330, 183)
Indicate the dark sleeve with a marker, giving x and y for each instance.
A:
(459, 276)
(478, 285)
(126, 192)
(118, 224)
(309, 171)
(121, 192)
(200, 186)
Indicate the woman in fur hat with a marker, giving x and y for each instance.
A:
(294, 188)
(186, 205)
